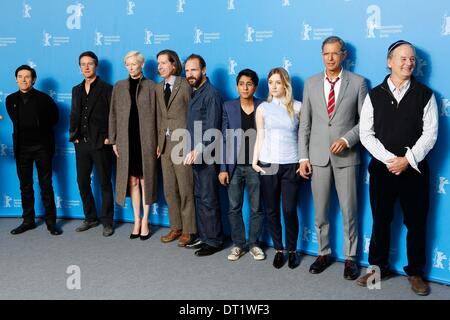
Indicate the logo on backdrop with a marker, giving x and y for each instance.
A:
(441, 183)
(26, 10)
(100, 39)
(64, 151)
(205, 37)
(317, 33)
(49, 40)
(10, 202)
(420, 64)
(445, 105)
(446, 26)
(75, 12)
(66, 204)
(252, 35)
(152, 38)
(308, 235)
(286, 64)
(366, 243)
(130, 8)
(439, 259)
(4, 150)
(180, 6)
(7, 201)
(285, 3)
(373, 23)
(31, 63)
(231, 5)
(59, 97)
(232, 64)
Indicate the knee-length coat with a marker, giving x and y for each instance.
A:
(118, 134)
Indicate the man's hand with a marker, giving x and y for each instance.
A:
(190, 158)
(224, 178)
(158, 153)
(338, 146)
(106, 141)
(305, 169)
(397, 165)
(76, 141)
(116, 151)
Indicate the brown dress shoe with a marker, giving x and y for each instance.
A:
(419, 286)
(363, 280)
(185, 239)
(173, 234)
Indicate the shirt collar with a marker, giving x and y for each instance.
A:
(403, 88)
(325, 74)
(277, 101)
(170, 81)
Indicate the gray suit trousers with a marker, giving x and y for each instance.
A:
(345, 180)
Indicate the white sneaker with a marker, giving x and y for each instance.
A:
(235, 254)
(257, 253)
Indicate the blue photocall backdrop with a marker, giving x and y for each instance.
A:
(231, 35)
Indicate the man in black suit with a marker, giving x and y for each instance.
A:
(89, 132)
(33, 114)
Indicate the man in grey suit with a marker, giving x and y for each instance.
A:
(172, 98)
(328, 138)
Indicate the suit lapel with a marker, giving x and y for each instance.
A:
(160, 94)
(321, 90)
(344, 85)
(176, 88)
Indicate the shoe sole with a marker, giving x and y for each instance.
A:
(235, 258)
(257, 258)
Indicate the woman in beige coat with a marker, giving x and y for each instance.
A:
(132, 132)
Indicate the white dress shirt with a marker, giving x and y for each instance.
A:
(422, 146)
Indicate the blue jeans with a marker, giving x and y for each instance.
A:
(245, 175)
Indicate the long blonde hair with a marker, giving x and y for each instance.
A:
(286, 81)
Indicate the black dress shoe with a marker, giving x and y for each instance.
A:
(23, 227)
(195, 244)
(134, 236)
(351, 271)
(207, 250)
(278, 260)
(54, 230)
(321, 263)
(293, 260)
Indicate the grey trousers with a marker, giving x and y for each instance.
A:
(345, 180)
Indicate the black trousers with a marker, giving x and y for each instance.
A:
(207, 208)
(87, 157)
(285, 183)
(411, 188)
(25, 158)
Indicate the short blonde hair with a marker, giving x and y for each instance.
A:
(139, 56)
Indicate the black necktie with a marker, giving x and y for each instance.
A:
(167, 93)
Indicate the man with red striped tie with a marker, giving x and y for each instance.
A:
(328, 144)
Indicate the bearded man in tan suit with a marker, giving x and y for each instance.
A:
(172, 98)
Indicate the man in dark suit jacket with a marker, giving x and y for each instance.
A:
(236, 172)
(89, 132)
(33, 114)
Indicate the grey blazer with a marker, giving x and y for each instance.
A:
(317, 131)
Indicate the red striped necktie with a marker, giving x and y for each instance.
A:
(331, 97)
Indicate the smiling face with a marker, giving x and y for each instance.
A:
(246, 87)
(276, 86)
(402, 62)
(165, 67)
(25, 80)
(333, 56)
(134, 67)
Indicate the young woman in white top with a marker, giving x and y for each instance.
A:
(276, 159)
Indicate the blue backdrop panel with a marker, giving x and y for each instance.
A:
(231, 35)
